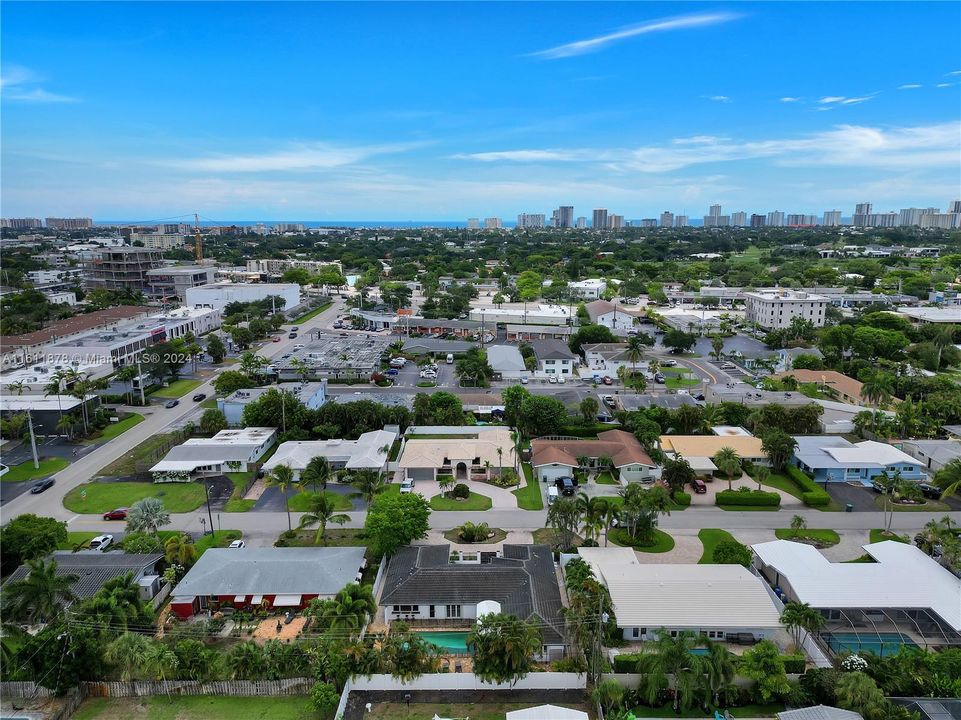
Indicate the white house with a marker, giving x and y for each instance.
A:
(368, 452)
(311, 394)
(608, 358)
(554, 357)
(608, 314)
(591, 289)
(227, 451)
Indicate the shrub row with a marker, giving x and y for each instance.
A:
(751, 497)
(682, 499)
(794, 664)
(626, 663)
(812, 494)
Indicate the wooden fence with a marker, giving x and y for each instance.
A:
(21, 690)
(222, 688)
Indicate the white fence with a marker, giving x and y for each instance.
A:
(469, 681)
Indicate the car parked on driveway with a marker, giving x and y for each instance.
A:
(118, 514)
(101, 542)
(566, 485)
(39, 487)
(930, 491)
(698, 486)
(407, 486)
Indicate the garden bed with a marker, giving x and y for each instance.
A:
(817, 538)
(923, 506)
(473, 501)
(498, 536)
(661, 543)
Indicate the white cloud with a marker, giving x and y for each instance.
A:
(718, 98)
(790, 99)
(20, 84)
(954, 72)
(842, 100)
(909, 86)
(831, 99)
(307, 156)
(943, 85)
(698, 140)
(514, 156)
(679, 22)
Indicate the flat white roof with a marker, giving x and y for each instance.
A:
(902, 577)
(676, 595)
(17, 403)
(932, 314)
(369, 451)
(546, 712)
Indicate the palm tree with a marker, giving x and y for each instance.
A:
(53, 387)
(282, 477)
(157, 660)
(245, 661)
(634, 352)
(318, 471)
(445, 482)
(800, 619)
(719, 671)
(321, 511)
(349, 610)
(127, 373)
(877, 389)
(761, 475)
(127, 652)
(180, 550)
(728, 462)
(717, 346)
(369, 484)
(41, 596)
(798, 523)
(147, 516)
(500, 460)
(611, 512)
(948, 478)
(592, 511)
(18, 387)
(673, 656)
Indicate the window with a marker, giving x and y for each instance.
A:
(408, 609)
(635, 632)
(453, 611)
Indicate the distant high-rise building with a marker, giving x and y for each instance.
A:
(473, 223)
(69, 223)
(861, 212)
(775, 218)
(715, 211)
(175, 229)
(649, 223)
(530, 220)
(832, 218)
(911, 217)
(757, 221)
(882, 220)
(599, 219)
(801, 220)
(941, 221)
(680, 221)
(667, 219)
(158, 241)
(289, 227)
(563, 217)
(21, 223)
(716, 220)
(739, 219)
(615, 222)
(122, 268)
(581, 222)
(954, 207)
(493, 223)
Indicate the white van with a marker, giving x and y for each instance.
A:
(450, 358)
(552, 494)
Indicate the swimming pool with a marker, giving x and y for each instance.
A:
(452, 642)
(881, 644)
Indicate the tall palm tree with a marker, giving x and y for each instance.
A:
(611, 512)
(877, 389)
(42, 595)
(728, 462)
(592, 510)
(719, 670)
(349, 610)
(369, 484)
(634, 352)
(54, 387)
(18, 387)
(800, 619)
(717, 346)
(127, 374)
(127, 652)
(673, 656)
(321, 511)
(157, 661)
(761, 475)
(317, 472)
(283, 477)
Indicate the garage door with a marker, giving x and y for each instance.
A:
(420, 474)
(549, 473)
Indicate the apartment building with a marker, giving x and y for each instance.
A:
(121, 268)
(777, 308)
(172, 282)
(158, 241)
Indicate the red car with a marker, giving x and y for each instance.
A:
(608, 380)
(275, 339)
(118, 514)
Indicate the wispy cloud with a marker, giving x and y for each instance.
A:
(790, 99)
(909, 86)
(514, 156)
(306, 156)
(20, 84)
(594, 44)
(717, 98)
(944, 85)
(954, 72)
(842, 100)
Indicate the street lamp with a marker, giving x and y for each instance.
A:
(209, 514)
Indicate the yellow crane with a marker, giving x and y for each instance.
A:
(198, 245)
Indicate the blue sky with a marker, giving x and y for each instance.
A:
(145, 111)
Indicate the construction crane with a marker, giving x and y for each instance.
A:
(198, 245)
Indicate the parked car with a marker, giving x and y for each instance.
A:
(101, 542)
(607, 380)
(698, 486)
(407, 486)
(199, 397)
(566, 485)
(552, 495)
(338, 325)
(930, 491)
(561, 379)
(659, 379)
(524, 380)
(393, 371)
(292, 336)
(237, 544)
(669, 362)
(39, 487)
(171, 404)
(552, 379)
(609, 401)
(728, 366)
(877, 486)
(118, 514)
(428, 374)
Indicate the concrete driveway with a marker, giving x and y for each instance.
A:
(717, 485)
(501, 498)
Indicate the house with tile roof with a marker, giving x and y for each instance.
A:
(471, 452)
(559, 457)
(429, 587)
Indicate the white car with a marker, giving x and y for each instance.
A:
(236, 544)
(552, 379)
(428, 374)
(101, 542)
(407, 486)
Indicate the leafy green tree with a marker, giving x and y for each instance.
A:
(504, 647)
(542, 415)
(125, 653)
(513, 398)
(216, 349)
(677, 474)
(948, 478)
(229, 381)
(61, 655)
(29, 537)
(245, 661)
(779, 447)
(798, 523)
(324, 699)
(42, 595)
(763, 665)
(195, 661)
(588, 408)
(590, 335)
(396, 520)
(179, 549)
(212, 421)
(147, 516)
(859, 692)
(609, 693)
(731, 552)
(321, 512)
(679, 341)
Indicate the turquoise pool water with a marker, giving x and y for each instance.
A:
(881, 644)
(453, 642)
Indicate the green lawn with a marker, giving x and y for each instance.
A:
(473, 502)
(710, 538)
(220, 538)
(299, 501)
(926, 506)
(662, 541)
(605, 478)
(102, 497)
(676, 378)
(827, 537)
(77, 538)
(127, 464)
(312, 314)
(879, 535)
(749, 508)
(177, 389)
(236, 503)
(336, 537)
(114, 429)
(746, 711)
(529, 496)
(785, 484)
(209, 404)
(26, 470)
(204, 707)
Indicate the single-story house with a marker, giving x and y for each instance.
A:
(934, 454)
(506, 361)
(699, 450)
(270, 578)
(482, 404)
(831, 458)
(467, 453)
(904, 595)
(610, 315)
(717, 601)
(311, 394)
(233, 450)
(607, 358)
(834, 383)
(94, 568)
(368, 452)
(819, 712)
(526, 333)
(552, 459)
(554, 357)
(425, 586)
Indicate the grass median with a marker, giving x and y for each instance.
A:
(26, 470)
(177, 389)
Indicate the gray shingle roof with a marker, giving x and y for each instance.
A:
(819, 712)
(552, 349)
(95, 568)
(523, 581)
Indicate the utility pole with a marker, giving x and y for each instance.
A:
(209, 515)
(143, 400)
(33, 441)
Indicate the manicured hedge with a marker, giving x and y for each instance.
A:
(682, 499)
(793, 664)
(753, 497)
(812, 494)
(626, 663)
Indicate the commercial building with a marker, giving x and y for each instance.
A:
(473, 223)
(775, 310)
(45, 410)
(219, 295)
(234, 450)
(172, 282)
(591, 289)
(902, 598)
(534, 314)
(739, 219)
(277, 579)
(54, 279)
(719, 602)
(311, 394)
(368, 452)
(275, 267)
(430, 587)
(526, 333)
(552, 459)
(158, 241)
(121, 268)
(932, 314)
(475, 452)
(554, 357)
(680, 221)
(615, 222)
(829, 458)
(758, 221)
(334, 356)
